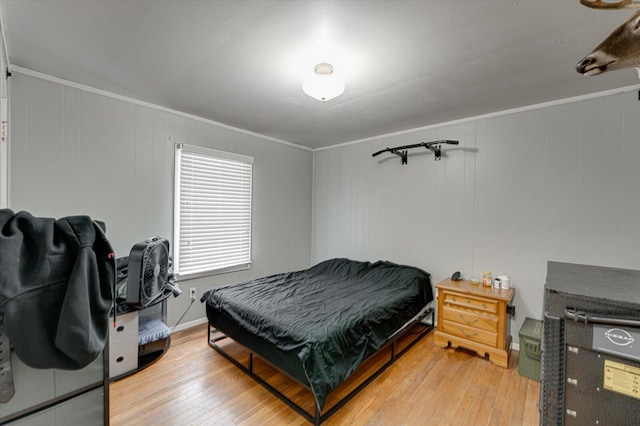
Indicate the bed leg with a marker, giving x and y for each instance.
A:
(393, 351)
(251, 362)
(317, 418)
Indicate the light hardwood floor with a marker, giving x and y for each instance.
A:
(194, 385)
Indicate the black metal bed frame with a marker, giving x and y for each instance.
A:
(317, 417)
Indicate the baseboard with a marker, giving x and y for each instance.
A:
(189, 324)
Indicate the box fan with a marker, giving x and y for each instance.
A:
(150, 279)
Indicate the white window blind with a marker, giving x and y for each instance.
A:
(212, 212)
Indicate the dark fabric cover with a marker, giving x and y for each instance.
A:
(56, 279)
(331, 316)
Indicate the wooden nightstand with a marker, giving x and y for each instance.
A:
(475, 318)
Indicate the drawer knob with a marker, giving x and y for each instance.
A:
(120, 328)
(120, 359)
(475, 333)
(468, 300)
(484, 306)
(468, 321)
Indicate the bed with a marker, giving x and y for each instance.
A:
(319, 324)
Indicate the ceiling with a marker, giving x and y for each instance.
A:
(406, 64)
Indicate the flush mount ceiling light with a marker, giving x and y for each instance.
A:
(323, 85)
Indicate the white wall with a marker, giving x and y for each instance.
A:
(554, 183)
(4, 163)
(557, 183)
(78, 152)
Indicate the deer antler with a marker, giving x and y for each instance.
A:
(604, 4)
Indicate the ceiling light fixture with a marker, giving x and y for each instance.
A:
(323, 85)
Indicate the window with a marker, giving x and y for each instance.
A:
(212, 213)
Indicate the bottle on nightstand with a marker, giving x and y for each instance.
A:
(487, 280)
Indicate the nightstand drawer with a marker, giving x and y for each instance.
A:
(471, 333)
(473, 318)
(484, 305)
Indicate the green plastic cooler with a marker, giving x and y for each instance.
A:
(529, 357)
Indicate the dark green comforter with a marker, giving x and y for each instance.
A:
(331, 316)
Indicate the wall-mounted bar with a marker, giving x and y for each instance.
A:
(432, 146)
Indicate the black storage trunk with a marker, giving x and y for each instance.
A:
(590, 346)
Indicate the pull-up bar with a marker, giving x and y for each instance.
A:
(432, 146)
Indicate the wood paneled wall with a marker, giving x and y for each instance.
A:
(73, 151)
(555, 183)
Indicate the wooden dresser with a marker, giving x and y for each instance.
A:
(475, 318)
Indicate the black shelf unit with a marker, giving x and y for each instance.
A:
(150, 352)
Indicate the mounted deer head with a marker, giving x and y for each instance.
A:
(621, 49)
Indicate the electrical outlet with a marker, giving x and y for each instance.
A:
(192, 293)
